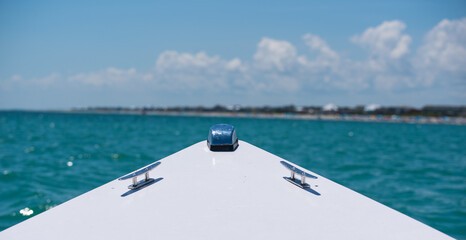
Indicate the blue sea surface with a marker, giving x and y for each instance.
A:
(417, 169)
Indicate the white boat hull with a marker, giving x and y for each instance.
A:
(201, 194)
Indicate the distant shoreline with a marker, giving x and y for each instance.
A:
(305, 116)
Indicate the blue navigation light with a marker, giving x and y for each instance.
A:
(222, 137)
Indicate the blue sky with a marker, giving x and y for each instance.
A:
(61, 54)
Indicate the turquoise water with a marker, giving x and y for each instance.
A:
(419, 170)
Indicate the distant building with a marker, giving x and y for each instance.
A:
(330, 108)
(371, 107)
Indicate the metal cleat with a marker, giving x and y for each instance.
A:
(141, 171)
(294, 170)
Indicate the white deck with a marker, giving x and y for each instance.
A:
(222, 195)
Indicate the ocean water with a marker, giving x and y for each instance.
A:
(419, 170)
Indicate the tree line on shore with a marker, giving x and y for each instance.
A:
(429, 110)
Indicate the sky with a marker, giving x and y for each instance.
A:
(66, 54)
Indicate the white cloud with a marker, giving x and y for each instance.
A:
(318, 44)
(234, 64)
(385, 40)
(387, 66)
(18, 80)
(275, 55)
(442, 57)
(175, 70)
(325, 67)
(109, 77)
(8, 83)
(175, 60)
(47, 80)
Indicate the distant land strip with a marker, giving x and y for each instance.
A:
(371, 113)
